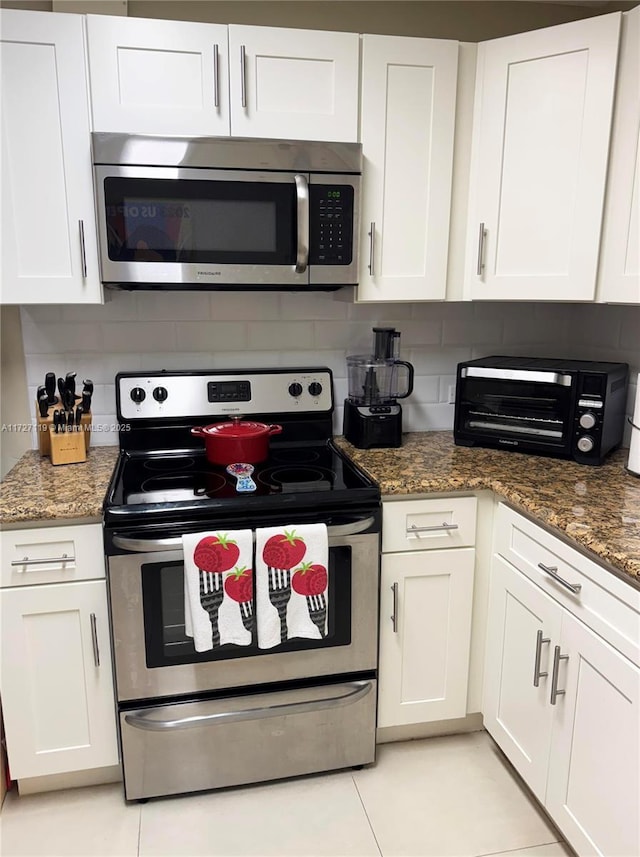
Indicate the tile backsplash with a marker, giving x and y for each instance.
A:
(224, 330)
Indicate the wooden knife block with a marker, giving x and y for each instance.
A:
(69, 447)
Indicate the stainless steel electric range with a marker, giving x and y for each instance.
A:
(192, 720)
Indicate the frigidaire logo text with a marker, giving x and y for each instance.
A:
(209, 273)
(508, 442)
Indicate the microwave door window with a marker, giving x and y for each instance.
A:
(519, 410)
(201, 222)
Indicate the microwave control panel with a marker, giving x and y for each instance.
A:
(330, 224)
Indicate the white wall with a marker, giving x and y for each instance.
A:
(216, 330)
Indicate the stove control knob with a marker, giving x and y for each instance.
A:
(138, 395)
(295, 389)
(160, 394)
(585, 443)
(315, 388)
(588, 420)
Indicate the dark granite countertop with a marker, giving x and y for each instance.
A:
(37, 492)
(597, 508)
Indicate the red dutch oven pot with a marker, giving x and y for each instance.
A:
(236, 441)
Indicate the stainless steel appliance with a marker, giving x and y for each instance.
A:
(226, 213)
(567, 408)
(372, 413)
(236, 714)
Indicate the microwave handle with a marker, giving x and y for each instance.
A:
(302, 210)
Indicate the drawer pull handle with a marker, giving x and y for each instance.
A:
(47, 561)
(94, 639)
(557, 657)
(444, 526)
(552, 571)
(394, 615)
(537, 675)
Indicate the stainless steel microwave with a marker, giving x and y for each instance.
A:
(188, 213)
(566, 408)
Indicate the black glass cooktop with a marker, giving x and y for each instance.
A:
(184, 483)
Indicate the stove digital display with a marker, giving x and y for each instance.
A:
(229, 391)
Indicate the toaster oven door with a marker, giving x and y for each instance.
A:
(516, 411)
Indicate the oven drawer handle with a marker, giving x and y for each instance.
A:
(357, 690)
(150, 545)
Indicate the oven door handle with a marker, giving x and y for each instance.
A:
(150, 545)
(141, 720)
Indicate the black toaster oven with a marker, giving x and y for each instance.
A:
(567, 408)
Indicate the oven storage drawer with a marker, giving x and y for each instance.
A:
(215, 743)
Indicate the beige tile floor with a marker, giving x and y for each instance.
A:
(437, 797)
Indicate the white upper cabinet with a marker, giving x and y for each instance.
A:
(49, 252)
(540, 146)
(158, 77)
(407, 128)
(619, 275)
(293, 84)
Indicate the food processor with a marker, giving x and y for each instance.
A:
(372, 414)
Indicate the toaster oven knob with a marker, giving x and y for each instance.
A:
(315, 388)
(160, 394)
(295, 389)
(138, 395)
(587, 420)
(585, 443)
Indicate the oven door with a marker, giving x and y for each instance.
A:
(155, 658)
(165, 225)
(520, 412)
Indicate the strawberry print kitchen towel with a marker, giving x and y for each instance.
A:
(292, 585)
(218, 588)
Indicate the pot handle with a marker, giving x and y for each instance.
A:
(275, 429)
(198, 431)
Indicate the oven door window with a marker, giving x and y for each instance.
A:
(167, 643)
(535, 412)
(201, 222)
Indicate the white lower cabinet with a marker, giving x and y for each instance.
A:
(425, 612)
(55, 666)
(561, 701)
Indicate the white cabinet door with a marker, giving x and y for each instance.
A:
(522, 626)
(541, 140)
(407, 127)
(158, 77)
(57, 688)
(425, 629)
(293, 84)
(619, 275)
(592, 789)
(49, 252)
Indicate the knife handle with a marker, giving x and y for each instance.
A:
(43, 405)
(86, 402)
(50, 386)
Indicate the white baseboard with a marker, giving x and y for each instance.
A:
(75, 780)
(470, 723)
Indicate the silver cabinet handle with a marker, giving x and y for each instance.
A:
(372, 239)
(552, 571)
(481, 237)
(48, 561)
(443, 526)
(216, 80)
(394, 615)
(557, 657)
(83, 252)
(355, 691)
(302, 210)
(243, 75)
(151, 545)
(94, 639)
(537, 675)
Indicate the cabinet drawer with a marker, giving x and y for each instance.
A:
(51, 555)
(602, 601)
(413, 525)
